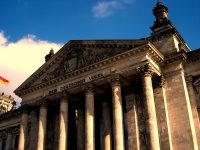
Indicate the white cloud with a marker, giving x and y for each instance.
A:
(3, 40)
(107, 8)
(104, 9)
(20, 59)
(127, 1)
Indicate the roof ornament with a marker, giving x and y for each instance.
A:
(160, 12)
(48, 56)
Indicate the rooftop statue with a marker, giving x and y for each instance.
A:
(48, 56)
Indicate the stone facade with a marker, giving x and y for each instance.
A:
(111, 94)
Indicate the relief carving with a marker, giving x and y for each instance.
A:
(76, 59)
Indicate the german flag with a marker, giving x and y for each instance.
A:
(4, 81)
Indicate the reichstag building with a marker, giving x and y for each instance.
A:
(111, 95)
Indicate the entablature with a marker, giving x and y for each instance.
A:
(120, 63)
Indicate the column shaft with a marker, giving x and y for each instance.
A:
(118, 128)
(106, 126)
(151, 121)
(80, 130)
(63, 124)
(23, 131)
(89, 120)
(42, 127)
(34, 130)
(9, 140)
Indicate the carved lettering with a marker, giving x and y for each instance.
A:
(81, 82)
(96, 76)
(73, 84)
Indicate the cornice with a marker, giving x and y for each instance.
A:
(125, 44)
(178, 56)
(193, 56)
(10, 114)
(165, 30)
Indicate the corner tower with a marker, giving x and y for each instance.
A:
(164, 34)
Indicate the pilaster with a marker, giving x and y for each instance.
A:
(193, 103)
(162, 113)
(132, 121)
(179, 109)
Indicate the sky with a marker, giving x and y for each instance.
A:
(30, 28)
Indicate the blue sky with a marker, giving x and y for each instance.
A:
(30, 28)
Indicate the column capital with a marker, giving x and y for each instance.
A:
(145, 70)
(43, 103)
(64, 96)
(89, 88)
(25, 109)
(114, 79)
(159, 81)
(8, 129)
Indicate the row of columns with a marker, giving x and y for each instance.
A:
(118, 127)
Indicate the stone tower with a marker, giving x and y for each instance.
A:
(6, 103)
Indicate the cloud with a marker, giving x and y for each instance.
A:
(22, 58)
(3, 40)
(104, 9)
(128, 1)
(107, 8)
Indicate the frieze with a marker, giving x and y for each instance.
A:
(81, 81)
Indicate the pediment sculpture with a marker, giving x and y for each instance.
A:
(76, 59)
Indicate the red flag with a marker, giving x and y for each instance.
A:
(4, 81)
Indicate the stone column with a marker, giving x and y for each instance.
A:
(80, 129)
(106, 126)
(23, 128)
(1, 140)
(118, 128)
(194, 109)
(63, 121)
(34, 129)
(42, 125)
(149, 104)
(9, 139)
(89, 118)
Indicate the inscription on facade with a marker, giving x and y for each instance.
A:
(76, 83)
(53, 91)
(73, 84)
(81, 81)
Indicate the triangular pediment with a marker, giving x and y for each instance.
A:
(15, 130)
(196, 84)
(3, 134)
(76, 55)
